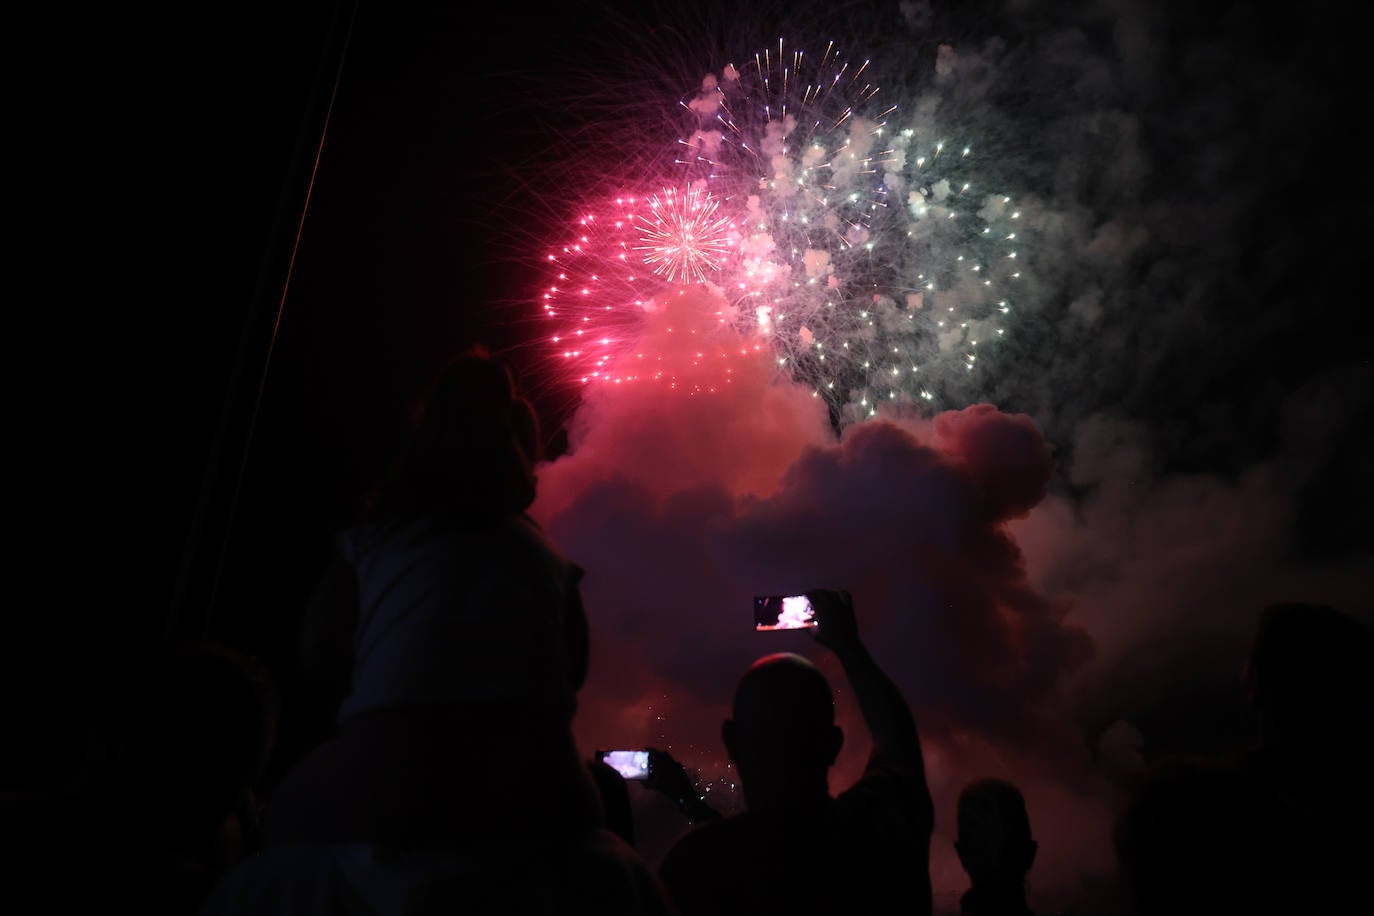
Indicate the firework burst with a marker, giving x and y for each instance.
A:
(630, 298)
(684, 237)
(857, 248)
(598, 284)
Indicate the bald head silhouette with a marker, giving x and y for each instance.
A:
(782, 735)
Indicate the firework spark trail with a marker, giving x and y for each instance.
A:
(617, 296)
(684, 238)
(853, 241)
(597, 286)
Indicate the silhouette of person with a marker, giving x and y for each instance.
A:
(164, 803)
(796, 849)
(995, 848)
(469, 640)
(1310, 680)
(1197, 836)
(458, 628)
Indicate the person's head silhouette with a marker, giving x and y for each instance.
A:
(1310, 675)
(473, 445)
(994, 844)
(782, 736)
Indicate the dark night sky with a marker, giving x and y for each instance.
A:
(225, 469)
(438, 133)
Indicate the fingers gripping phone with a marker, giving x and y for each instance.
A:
(629, 764)
(783, 612)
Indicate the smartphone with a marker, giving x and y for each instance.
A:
(783, 612)
(629, 764)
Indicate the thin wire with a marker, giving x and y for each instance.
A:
(276, 328)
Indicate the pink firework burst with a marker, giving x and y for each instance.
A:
(632, 300)
(684, 234)
(599, 287)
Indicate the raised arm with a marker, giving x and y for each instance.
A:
(668, 776)
(885, 710)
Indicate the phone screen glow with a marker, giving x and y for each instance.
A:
(783, 612)
(629, 764)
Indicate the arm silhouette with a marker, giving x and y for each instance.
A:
(667, 775)
(885, 710)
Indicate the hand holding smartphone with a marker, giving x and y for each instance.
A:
(783, 612)
(836, 625)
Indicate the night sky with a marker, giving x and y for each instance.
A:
(1062, 588)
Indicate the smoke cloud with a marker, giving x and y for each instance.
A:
(682, 506)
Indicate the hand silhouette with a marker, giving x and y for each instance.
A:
(836, 625)
(668, 776)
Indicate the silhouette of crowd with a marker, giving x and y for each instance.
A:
(449, 637)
